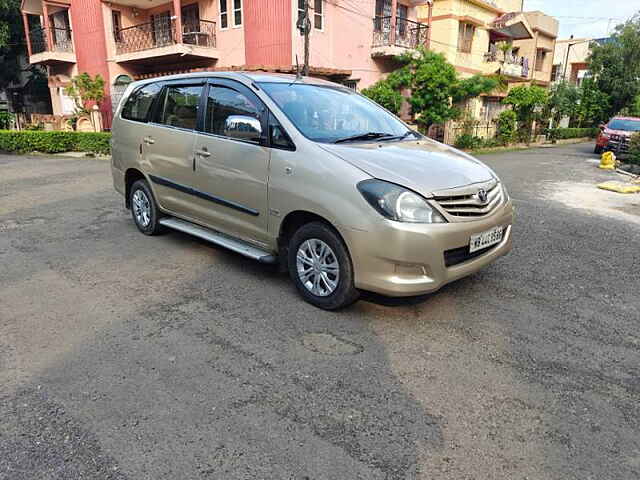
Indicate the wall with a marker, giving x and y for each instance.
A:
(268, 32)
(90, 43)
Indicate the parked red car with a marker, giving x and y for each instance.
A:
(615, 135)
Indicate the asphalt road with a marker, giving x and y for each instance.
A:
(129, 357)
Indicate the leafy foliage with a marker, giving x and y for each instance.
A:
(527, 103)
(634, 149)
(595, 105)
(616, 65)
(566, 133)
(11, 41)
(506, 127)
(467, 141)
(54, 142)
(384, 95)
(434, 85)
(83, 90)
(6, 119)
(564, 101)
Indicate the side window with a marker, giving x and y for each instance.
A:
(224, 102)
(278, 137)
(139, 103)
(180, 106)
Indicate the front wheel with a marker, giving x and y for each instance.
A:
(320, 267)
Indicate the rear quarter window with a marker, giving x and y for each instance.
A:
(139, 103)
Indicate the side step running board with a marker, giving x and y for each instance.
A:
(239, 246)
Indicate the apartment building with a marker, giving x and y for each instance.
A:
(123, 40)
(470, 33)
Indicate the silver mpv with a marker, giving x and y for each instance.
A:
(308, 174)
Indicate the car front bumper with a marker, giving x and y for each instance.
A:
(403, 259)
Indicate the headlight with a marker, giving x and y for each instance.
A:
(397, 203)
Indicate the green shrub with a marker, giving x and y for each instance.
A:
(6, 119)
(54, 142)
(468, 142)
(385, 95)
(634, 149)
(506, 127)
(566, 133)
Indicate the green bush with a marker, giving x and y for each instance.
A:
(468, 142)
(506, 127)
(6, 119)
(566, 133)
(385, 95)
(54, 142)
(634, 149)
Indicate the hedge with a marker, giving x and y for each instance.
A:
(54, 142)
(566, 133)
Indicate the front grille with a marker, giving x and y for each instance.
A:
(468, 204)
(619, 143)
(460, 255)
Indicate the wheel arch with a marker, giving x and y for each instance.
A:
(131, 176)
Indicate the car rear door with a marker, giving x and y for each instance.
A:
(169, 145)
(232, 169)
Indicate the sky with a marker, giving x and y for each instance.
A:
(586, 18)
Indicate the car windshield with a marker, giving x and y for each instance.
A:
(622, 124)
(330, 114)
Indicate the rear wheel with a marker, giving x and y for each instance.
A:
(320, 267)
(144, 209)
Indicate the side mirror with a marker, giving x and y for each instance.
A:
(243, 127)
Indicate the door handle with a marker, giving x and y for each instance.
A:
(148, 140)
(203, 153)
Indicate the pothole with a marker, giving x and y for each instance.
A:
(329, 344)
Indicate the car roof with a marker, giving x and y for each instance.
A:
(244, 77)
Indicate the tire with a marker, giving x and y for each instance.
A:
(326, 286)
(144, 210)
(598, 150)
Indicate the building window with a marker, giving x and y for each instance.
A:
(237, 13)
(351, 83)
(466, 31)
(117, 25)
(224, 15)
(555, 73)
(318, 14)
(541, 56)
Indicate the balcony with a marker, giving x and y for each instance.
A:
(508, 65)
(391, 40)
(51, 46)
(160, 39)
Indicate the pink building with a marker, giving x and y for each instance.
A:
(350, 41)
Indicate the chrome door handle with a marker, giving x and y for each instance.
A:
(203, 153)
(148, 140)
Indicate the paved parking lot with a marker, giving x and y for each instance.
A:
(129, 357)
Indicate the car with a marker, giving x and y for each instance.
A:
(615, 135)
(308, 175)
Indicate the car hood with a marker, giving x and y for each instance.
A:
(424, 166)
(622, 133)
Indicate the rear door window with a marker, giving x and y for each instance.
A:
(179, 107)
(139, 103)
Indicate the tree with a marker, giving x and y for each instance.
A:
(616, 65)
(434, 85)
(85, 90)
(526, 103)
(384, 95)
(12, 44)
(506, 127)
(595, 105)
(564, 101)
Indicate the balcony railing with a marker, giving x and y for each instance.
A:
(512, 65)
(147, 36)
(407, 33)
(61, 39)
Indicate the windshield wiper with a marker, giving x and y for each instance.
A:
(401, 137)
(364, 136)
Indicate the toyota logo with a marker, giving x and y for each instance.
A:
(482, 195)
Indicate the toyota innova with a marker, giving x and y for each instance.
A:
(308, 174)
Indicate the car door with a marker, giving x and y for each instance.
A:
(233, 167)
(169, 145)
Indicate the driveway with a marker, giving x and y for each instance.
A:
(129, 357)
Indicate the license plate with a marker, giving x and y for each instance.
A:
(485, 239)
